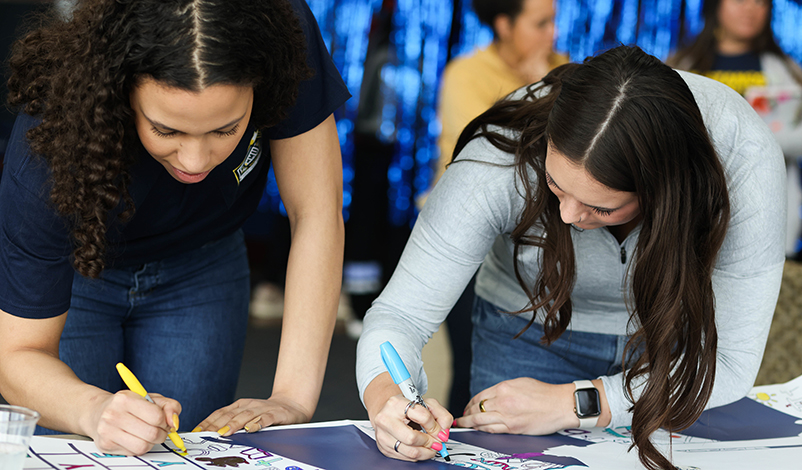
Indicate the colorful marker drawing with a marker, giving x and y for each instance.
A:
(223, 461)
(785, 397)
(470, 456)
(204, 451)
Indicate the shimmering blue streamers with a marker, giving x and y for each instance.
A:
(419, 50)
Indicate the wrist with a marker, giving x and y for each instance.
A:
(606, 416)
(88, 418)
(378, 391)
(587, 404)
(305, 408)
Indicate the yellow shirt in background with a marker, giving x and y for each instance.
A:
(469, 86)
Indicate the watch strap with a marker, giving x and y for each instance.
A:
(585, 423)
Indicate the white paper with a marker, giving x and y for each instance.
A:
(204, 450)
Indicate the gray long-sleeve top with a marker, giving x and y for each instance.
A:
(468, 218)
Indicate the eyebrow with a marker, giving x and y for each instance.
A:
(168, 128)
(602, 209)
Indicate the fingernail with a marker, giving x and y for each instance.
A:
(443, 436)
(454, 424)
(197, 429)
(223, 430)
(437, 446)
(175, 422)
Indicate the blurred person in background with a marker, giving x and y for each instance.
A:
(521, 53)
(737, 47)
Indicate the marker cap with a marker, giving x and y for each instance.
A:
(392, 361)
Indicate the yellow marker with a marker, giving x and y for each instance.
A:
(133, 383)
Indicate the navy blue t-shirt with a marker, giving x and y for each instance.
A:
(171, 218)
(740, 72)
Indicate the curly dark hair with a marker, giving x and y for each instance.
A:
(76, 75)
(633, 124)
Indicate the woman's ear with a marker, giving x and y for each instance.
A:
(502, 26)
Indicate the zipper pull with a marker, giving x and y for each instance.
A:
(623, 255)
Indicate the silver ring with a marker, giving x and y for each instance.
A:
(410, 405)
(395, 447)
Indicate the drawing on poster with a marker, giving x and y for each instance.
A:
(478, 458)
(204, 451)
(785, 397)
(467, 456)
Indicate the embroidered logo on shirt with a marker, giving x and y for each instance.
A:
(251, 157)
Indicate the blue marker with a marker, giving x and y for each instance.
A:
(398, 371)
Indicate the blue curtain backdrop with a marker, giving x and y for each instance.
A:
(426, 33)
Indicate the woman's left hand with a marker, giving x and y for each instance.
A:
(521, 406)
(245, 411)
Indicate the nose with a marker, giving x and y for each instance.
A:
(571, 210)
(194, 155)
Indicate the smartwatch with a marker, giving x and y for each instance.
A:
(587, 404)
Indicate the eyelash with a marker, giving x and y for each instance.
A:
(601, 212)
(219, 133)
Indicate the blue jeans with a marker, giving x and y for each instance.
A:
(576, 355)
(179, 324)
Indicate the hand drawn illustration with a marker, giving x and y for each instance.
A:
(205, 450)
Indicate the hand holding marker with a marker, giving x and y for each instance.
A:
(133, 383)
(398, 371)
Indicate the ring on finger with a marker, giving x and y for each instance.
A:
(482, 405)
(410, 405)
(253, 425)
(395, 447)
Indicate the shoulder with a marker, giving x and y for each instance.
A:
(480, 149)
(319, 96)
(755, 170)
(29, 170)
(480, 164)
(779, 70)
(556, 59)
(476, 65)
(731, 122)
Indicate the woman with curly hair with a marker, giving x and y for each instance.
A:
(145, 133)
(627, 224)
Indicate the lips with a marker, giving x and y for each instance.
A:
(185, 177)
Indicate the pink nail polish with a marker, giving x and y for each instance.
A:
(454, 424)
(437, 446)
(443, 435)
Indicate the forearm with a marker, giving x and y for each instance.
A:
(40, 381)
(312, 292)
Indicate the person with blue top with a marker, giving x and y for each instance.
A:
(145, 133)
(626, 221)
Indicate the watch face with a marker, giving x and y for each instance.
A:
(587, 402)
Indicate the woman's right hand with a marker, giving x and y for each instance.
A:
(126, 424)
(394, 435)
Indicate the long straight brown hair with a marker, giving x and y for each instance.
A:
(633, 124)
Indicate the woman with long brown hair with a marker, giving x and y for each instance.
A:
(627, 222)
(145, 134)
